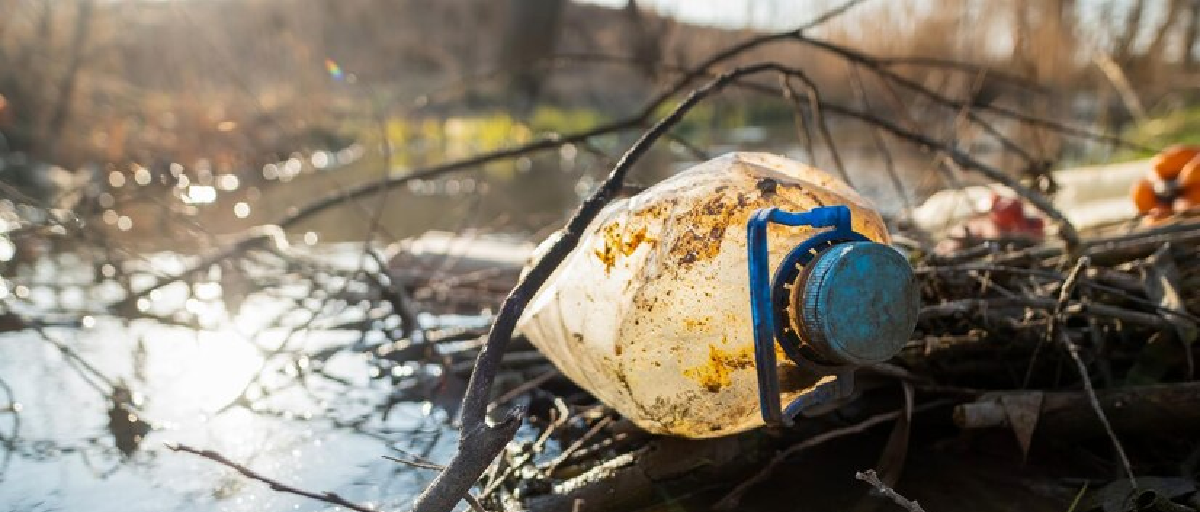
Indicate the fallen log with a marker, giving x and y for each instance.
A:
(1139, 409)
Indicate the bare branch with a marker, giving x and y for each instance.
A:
(870, 477)
(477, 449)
(275, 485)
(1057, 329)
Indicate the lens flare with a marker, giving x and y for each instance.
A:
(335, 71)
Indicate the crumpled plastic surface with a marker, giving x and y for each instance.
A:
(651, 313)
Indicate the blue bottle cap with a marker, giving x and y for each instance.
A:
(859, 303)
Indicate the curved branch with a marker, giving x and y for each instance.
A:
(275, 485)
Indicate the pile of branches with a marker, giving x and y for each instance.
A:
(1050, 343)
(1122, 301)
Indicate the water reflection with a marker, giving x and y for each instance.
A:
(268, 383)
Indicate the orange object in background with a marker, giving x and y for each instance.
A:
(1169, 163)
(1144, 196)
(1172, 184)
(1189, 195)
(1190, 175)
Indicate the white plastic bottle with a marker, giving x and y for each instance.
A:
(651, 312)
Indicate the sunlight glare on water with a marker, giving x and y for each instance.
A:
(186, 383)
(211, 368)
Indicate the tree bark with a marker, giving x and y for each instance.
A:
(1139, 409)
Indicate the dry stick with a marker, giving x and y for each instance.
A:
(963, 67)
(1120, 81)
(420, 464)
(377, 216)
(82, 367)
(1091, 393)
(393, 291)
(803, 132)
(275, 485)
(730, 501)
(1060, 307)
(879, 67)
(559, 416)
(870, 477)
(1066, 230)
(702, 70)
(948, 173)
(471, 459)
(692, 149)
(814, 102)
(477, 449)
(880, 144)
(967, 112)
(587, 436)
(423, 464)
(961, 122)
(1099, 309)
(525, 387)
(1058, 330)
(366, 189)
(1070, 283)
(890, 62)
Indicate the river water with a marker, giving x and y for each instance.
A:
(62, 446)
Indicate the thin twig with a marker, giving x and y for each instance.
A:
(1057, 330)
(1066, 230)
(587, 436)
(275, 485)
(803, 132)
(877, 66)
(730, 501)
(870, 477)
(814, 104)
(525, 387)
(1091, 393)
(860, 91)
(415, 463)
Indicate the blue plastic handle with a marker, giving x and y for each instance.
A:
(835, 217)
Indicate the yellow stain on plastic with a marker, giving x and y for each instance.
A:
(717, 371)
(616, 242)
